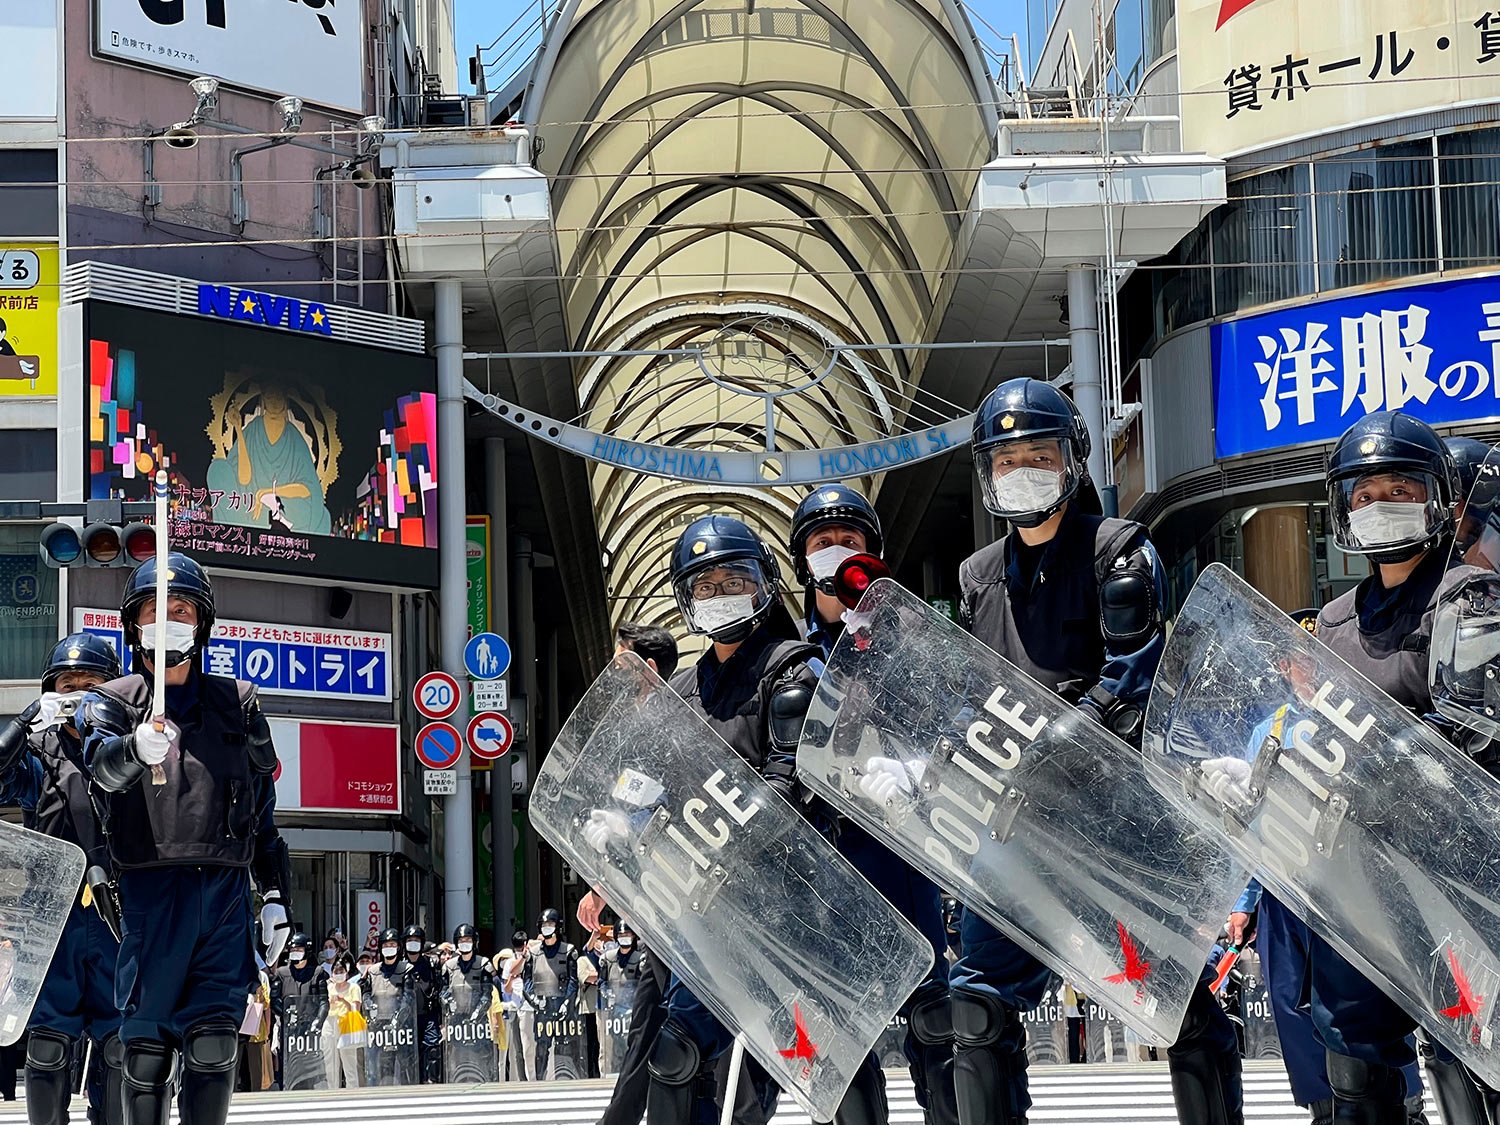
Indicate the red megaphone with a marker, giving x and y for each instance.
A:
(855, 575)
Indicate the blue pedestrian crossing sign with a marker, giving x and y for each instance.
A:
(487, 656)
(439, 745)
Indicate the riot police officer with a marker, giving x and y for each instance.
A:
(389, 1059)
(299, 995)
(627, 1102)
(1074, 600)
(549, 982)
(831, 525)
(753, 687)
(1392, 488)
(42, 771)
(190, 815)
(423, 984)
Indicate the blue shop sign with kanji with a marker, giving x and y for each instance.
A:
(280, 659)
(1305, 374)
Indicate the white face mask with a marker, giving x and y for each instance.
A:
(364, 969)
(548, 930)
(825, 563)
(388, 951)
(181, 637)
(720, 613)
(298, 957)
(1026, 490)
(466, 947)
(414, 947)
(340, 977)
(1386, 522)
(626, 941)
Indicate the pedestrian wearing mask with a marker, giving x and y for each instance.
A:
(520, 1040)
(344, 1032)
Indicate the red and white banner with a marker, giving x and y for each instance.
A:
(337, 767)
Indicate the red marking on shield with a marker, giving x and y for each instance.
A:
(1136, 967)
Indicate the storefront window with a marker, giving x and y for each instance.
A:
(1469, 169)
(1376, 215)
(1262, 241)
(28, 604)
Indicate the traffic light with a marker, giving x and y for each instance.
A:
(99, 544)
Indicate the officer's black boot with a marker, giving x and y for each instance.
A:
(111, 1059)
(1206, 1083)
(209, 1055)
(929, 1047)
(1455, 1090)
(682, 1087)
(1322, 1112)
(989, 1063)
(865, 1102)
(144, 1092)
(1366, 1093)
(49, 1078)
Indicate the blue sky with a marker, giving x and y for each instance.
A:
(480, 21)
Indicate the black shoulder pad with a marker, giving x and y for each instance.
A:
(106, 714)
(789, 705)
(1128, 611)
(257, 731)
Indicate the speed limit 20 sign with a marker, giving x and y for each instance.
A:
(436, 695)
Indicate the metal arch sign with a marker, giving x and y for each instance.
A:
(762, 469)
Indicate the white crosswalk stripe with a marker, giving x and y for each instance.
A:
(1122, 1095)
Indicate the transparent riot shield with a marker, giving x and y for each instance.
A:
(771, 928)
(1257, 1017)
(391, 1057)
(39, 881)
(562, 1043)
(890, 1048)
(303, 1042)
(616, 1009)
(1107, 1038)
(469, 1051)
(1464, 658)
(1020, 805)
(1376, 832)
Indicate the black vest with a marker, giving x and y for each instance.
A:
(205, 813)
(63, 808)
(1052, 631)
(739, 711)
(1393, 658)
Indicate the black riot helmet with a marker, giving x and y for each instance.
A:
(832, 504)
(624, 930)
(1022, 480)
(1392, 485)
(550, 917)
(1468, 454)
(185, 579)
(414, 933)
(390, 937)
(297, 941)
(726, 608)
(464, 930)
(81, 652)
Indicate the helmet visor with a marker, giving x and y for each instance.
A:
(1027, 477)
(1385, 511)
(720, 597)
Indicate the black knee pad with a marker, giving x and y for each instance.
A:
(147, 1064)
(113, 1051)
(931, 1019)
(211, 1048)
(675, 1058)
(48, 1050)
(1359, 1081)
(981, 1020)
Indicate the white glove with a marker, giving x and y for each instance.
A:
(275, 927)
(604, 825)
(151, 745)
(885, 777)
(1227, 781)
(55, 709)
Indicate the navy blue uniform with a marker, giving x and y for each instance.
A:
(1040, 608)
(186, 851)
